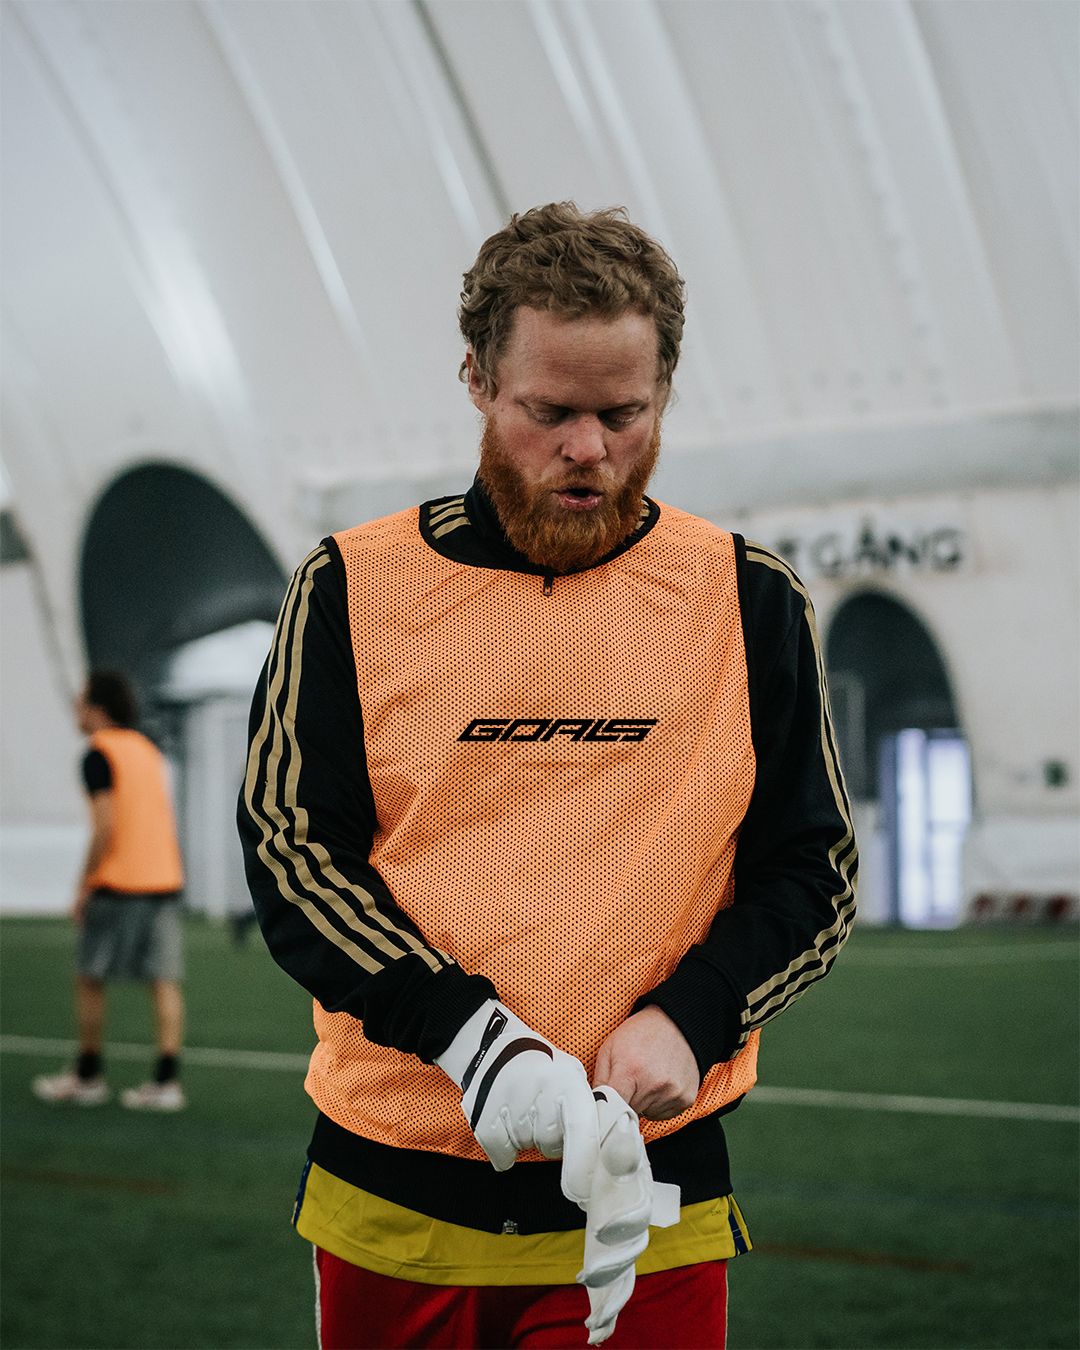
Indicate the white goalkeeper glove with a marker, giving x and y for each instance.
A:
(519, 1091)
(624, 1202)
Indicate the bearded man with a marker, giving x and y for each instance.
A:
(542, 806)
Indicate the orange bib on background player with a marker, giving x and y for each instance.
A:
(559, 776)
(143, 854)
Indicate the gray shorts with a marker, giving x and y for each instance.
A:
(130, 937)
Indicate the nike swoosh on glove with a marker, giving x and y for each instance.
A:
(624, 1202)
(519, 1091)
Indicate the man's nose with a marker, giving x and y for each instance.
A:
(583, 442)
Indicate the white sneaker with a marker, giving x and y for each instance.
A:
(69, 1087)
(155, 1097)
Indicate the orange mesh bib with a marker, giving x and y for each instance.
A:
(559, 782)
(143, 854)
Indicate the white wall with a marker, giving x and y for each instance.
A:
(215, 741)
(997, 584)
(42, 820)
(40, 746)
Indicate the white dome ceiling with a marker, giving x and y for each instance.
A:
(234, 232)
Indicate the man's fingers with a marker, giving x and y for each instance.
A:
(662, 1105)
(602, 1067)
(661, 1102)
(649, 1062)
(606, 1073)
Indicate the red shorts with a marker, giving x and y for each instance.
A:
(683, 1309)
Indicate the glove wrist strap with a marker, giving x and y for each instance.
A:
(466, 1047)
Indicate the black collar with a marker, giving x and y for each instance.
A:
(467, 529)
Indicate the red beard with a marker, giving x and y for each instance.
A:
(546, 533)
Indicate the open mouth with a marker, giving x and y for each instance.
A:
(579, 499)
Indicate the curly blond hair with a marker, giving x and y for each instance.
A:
(559, 258)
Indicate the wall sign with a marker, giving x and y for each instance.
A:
(868, 549)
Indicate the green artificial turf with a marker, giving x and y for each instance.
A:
(871, 1228)
(882, 1229)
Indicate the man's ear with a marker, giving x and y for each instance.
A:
(479, 391)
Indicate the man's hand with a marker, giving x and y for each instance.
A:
(647, 1061)
(519, 1091)
(102, 823)
(623, 1203)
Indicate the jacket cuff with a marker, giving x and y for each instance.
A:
(703, 1003)
(415, 1009)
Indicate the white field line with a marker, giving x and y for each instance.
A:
(206, 1057)
(921, 1106)
(1005, 954)
(276, 1061)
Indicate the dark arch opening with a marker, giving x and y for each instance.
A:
(167, 557)
(886, 674)
(906, 760)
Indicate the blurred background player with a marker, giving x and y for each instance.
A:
(127, 902)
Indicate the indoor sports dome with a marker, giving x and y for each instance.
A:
(233, 235)
(233, 239)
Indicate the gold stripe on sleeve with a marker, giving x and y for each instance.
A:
(278, 731)
(322, 857)
(251, 782)
(770, 997)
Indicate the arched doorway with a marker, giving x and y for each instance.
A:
(168, 558)
(905, 756)
(178, 590)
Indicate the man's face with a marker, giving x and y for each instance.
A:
(572, 434)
